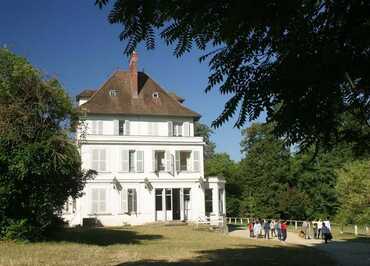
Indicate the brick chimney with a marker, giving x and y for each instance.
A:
(133, 74)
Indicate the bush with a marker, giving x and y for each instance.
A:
(20, 230)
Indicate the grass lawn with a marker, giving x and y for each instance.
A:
(155, 245)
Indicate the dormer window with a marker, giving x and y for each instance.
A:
(155, 95)
(113, 93)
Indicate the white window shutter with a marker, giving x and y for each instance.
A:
(95, 160)
(124, 200)
(177, 161)
(127, 127)
(196, 161)
(170, 128)
(125, 160)
(116, 127)
(103, 161)
(179, 129)
(150, 128)
(102, 203)
(186, 129)
(140, 161)
(100, 127)
(168, 161)
(94, 200)
(93, 127)
(155, 129)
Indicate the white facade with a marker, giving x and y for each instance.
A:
(150, 168)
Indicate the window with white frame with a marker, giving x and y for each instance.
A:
(70, 206)
(208, 200)
(121, 127)
(177, 129)
(98, 200)
(183, 160)
(97, 127)
(129, 200)
(132, 161)
(159, 161)
(99, 160)
(221, 201)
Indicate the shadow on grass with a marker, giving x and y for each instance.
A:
(100, 236)
(250, 255)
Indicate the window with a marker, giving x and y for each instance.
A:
(113, 93)
(99, 160)
(98, 200)
(70, 206)
(129, 200)
(158, 199)
(168, 199)
(121, 127)
(184, 161)
(208, 201)
(96, 127)
(196, 161)
(131, 161)
(221, 201)
(177, 129)
(159, 160)
(155, 95)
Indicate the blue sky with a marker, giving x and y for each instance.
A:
(73, 41)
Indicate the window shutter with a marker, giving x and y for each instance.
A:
(196, 161)
(93, 127)
(124, 200)
(100, 127)
(139, 161)
(103, 161)
(155, 129)
(186, 129)
(170, 128)
(172, 164)
(168, 161)
(125, 160)
(179, 129)
(154, 165)
(95, 160)
(127, 127)
(116, 127)
(150, 128)
(102, 203)
(177, 161)
(94, 200)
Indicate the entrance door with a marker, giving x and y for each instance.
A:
(176, 215)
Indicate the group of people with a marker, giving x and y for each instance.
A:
(278, 229)
(270, 229)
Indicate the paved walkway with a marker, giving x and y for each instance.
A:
(346, 253)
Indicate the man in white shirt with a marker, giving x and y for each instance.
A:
(327, 224)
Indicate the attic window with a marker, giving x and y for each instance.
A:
(113, 93)
(155, 95)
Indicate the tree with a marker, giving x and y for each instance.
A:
(40, 166)
(303, 62)
(202, 130)
(220, 164)
(353, 188)
(266, 172)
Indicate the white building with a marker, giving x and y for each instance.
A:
(140, 139)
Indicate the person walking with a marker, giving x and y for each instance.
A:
(266, 229)
(278, 229)
(319, 227)
(327, 223)
(257, 229)
(326, 232)
(314, 225)
(250, 227)
(305, 229)
(272, 228)
(284, 227)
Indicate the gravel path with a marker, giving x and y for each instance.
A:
(346, 253)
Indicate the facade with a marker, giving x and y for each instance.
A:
(140, 140)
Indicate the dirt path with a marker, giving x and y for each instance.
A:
(346, 253)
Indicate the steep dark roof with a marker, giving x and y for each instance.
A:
(101, 102)
(85, 94)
